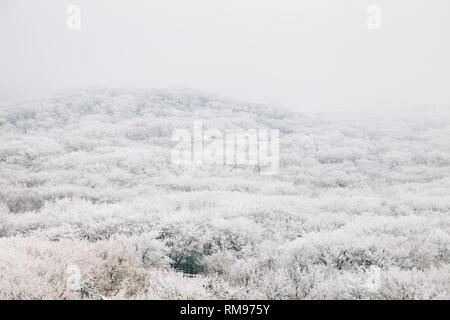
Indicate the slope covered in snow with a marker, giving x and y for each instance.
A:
(359, 208)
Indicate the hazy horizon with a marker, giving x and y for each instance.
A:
(289, 53)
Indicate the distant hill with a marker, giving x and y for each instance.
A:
(87, 179)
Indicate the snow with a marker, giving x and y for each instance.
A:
(86, 179)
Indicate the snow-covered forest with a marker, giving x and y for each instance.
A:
(86, 180)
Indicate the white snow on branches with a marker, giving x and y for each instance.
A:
(86, 179)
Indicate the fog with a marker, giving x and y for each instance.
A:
(294, 53)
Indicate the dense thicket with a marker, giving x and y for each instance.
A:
(86, 179)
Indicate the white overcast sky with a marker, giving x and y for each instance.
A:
(291, 52)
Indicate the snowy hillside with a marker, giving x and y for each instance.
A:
(360, 207)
